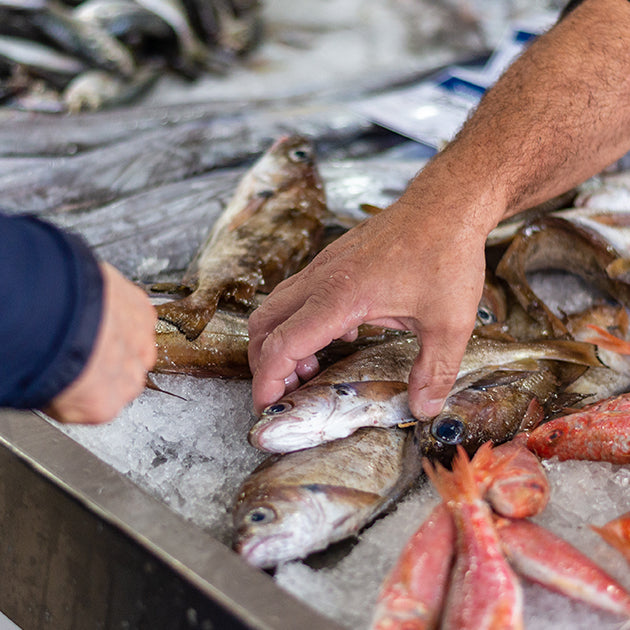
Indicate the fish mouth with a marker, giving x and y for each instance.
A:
(247, 548)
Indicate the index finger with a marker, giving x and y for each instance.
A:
(294, 340)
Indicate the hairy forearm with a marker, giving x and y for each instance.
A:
(560, 114)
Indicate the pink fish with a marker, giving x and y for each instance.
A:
(413, 592)
(617, 533)
(598, 432)
(484, 592)
(518, 488)
(541, 556)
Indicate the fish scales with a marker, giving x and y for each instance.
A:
(298, 503)
(272, 225)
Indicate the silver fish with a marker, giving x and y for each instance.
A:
(295, 504)
(368, 388)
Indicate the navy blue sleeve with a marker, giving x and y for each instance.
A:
(52, 299)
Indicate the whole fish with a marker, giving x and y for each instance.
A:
(541, 556)
(367, 389)
(555, 243)
(272, 225)
(221, 348)
(495, 407)
(413, 592)
(484, 592)
(597, 432)
(295, 504)
(617, 533)
(519, 487)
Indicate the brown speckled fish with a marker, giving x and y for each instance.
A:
(268, 230)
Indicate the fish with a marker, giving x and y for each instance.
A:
(220, 351)
(494, 407)
(484, 592)
(520, 487)
(413, 592)
(617, 533)
(84, 40)
(597, 432)
(368, 389)
(539, 555)
(272, 225)
(555, 243)
(298, 503)
(492, 308)
(40, 59)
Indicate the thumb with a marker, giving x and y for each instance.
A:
(434, 372)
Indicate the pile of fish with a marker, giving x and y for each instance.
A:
(476, 543)
(344, 445)
(68, 56)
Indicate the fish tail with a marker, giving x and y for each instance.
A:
(189, 315)
(458, 484)
(607, 340)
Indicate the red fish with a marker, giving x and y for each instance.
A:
(408, 600)
(484, 592)
(518, 488)
(598, 432)
(617, 533)
(541, 556)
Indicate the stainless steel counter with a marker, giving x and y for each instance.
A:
(83, 547)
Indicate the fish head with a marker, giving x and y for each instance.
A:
(492, 307)
(547, 438)
(290, 159)
(282, 523)
(314, 414)
(438, 438)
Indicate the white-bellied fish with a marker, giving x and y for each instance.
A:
(298, 503)
(368, 389)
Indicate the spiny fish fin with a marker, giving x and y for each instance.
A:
(189, 315)
(456, 484)
(499, 378)
(247, 212)
(151, 384)
(607, 340)
(564, 403)
(344, 494)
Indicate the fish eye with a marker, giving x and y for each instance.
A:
(448, 429)
(261, 515)
(343, 389)
(277, 408)
(485, 315)
(265, 194)
(554, 435)
(300, 155)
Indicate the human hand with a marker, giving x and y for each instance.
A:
(412, 267)
(123, 352)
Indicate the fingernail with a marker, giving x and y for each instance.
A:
(431, 407)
